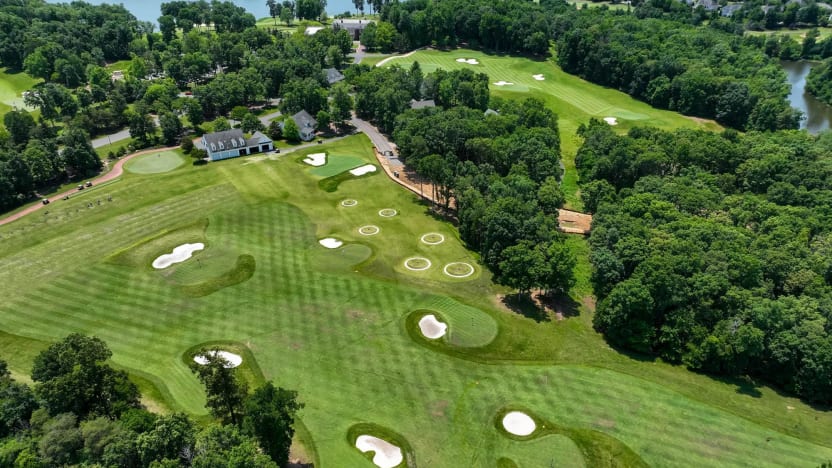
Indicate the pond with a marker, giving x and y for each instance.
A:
(818, 115)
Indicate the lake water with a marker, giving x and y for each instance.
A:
(818, 115)
(150, 10)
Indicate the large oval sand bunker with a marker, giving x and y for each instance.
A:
(179, 254)
(518, 423)
(431, 327)
(234, 360)
(386, 455)
(361, 170)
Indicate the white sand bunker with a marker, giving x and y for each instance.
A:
(417, 264)
(433, 238)
(539, 77)
(459, 270)
(518, 423)
(468, 61)
(361, 170)
(234, 360)
(349, 202)
(503, 83)
(368, 230)
(387, 213)
(387, 455)
(317, 159)
(330, 243)
(611, 120)
(431, 327)
(179, 254)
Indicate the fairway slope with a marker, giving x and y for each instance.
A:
(341, 326)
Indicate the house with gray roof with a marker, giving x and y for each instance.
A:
(232, 143)
(353, 26)
(414, 104)
(307, 125)
(729, 10)
(333, 76)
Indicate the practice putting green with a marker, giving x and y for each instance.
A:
(155, 163)
(342, 337)
(336, 164)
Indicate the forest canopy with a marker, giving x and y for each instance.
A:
(714, 250)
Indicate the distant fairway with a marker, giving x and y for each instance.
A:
(337, 326)
(573, 99)
(12, 85)
(155, 163)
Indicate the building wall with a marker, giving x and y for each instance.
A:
(232, 153)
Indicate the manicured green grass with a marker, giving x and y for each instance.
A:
(573, 99)
(12, 85)
(798, 34)
(340, 336)
(612, 6)
(155, 163)
(102, 151)
(336, 164)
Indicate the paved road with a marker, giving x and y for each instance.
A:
(359, 54)
(267, 119)
(117, 136)
(115, 172)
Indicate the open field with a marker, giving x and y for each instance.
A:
(573, 99)
(798, 34)
(12, 85)
(338, 326)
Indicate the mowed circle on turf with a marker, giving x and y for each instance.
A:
(432, 238)
(155, 163)
(417, 263)
(349, 202)
(369, 230)
(387, 212)
(459, 270)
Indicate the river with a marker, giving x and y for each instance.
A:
(818, 115)
(149, 10)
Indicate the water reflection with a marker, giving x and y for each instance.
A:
(818, 115)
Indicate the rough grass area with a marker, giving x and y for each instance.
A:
(155, 163)
(573, 99)
(340, 336)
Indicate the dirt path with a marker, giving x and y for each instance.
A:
(116, 171)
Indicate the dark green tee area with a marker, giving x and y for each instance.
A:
(714, 250)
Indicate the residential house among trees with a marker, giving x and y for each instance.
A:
(307, 125)
(232, 143)
(333, 76)
(353, 26)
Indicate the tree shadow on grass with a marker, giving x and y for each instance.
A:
(561, 304)
(525, 306)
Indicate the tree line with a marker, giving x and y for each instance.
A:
(83, 412)
(712, 250)
(495, 161)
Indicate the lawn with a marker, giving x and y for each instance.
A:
(573, 99)
(337, 325)
(155, 163)
(12, 86)
(798, 34)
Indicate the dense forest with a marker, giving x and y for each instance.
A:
(819, 81)
(713, 250)
(83, 412)
(697, 71)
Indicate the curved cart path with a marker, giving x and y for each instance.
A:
(116, 171)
